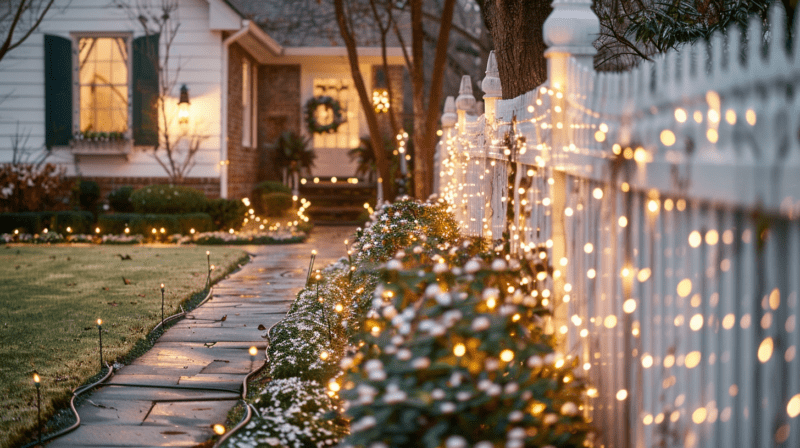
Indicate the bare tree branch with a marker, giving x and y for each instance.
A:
(25, 17)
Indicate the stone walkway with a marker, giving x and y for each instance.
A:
(149, 403)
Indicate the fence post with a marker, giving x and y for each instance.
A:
(464, 102)
(443, 156)
(492, 91)
(568, 32)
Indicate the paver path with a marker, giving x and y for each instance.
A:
(148, 403)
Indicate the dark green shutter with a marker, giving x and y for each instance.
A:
(57, 90)
(145, 90)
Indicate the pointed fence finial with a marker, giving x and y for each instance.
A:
(449, 116)
(491, 83)
(465, 100)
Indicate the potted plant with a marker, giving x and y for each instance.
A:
(294, 156)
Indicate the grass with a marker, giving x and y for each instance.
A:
(51, 298)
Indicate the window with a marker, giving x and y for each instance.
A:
(342, 90)
(103, 82)
(248, 102)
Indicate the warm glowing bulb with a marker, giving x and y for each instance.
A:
(36, 378)
(334, 386)
(459, 349)
(506, 355)
(253, 351)
(99, 322)
(629, 306)
(667, 137)
(219, 429)
(323, 355)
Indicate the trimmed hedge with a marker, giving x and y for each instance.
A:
(35, 222)
(120, 199)
(261, 192)
(276, 204)
(168, 199)
(142, 224)
(227, 213)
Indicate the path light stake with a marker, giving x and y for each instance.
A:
(349, 260)
(318, 278)
(253, 352)
(162, 307)
(38, 406)
(208, 259)
(311, 265)
(100, 332)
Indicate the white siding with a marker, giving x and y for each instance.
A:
(196, 50)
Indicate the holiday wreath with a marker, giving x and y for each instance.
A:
(327, 123)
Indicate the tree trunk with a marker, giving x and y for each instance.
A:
(426, 119)
(516, 29)
(381, 159)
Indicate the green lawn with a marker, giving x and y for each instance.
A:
(51, 298)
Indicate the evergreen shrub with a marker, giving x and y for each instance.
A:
(226, 213)
(292, 413)
(265, 188)
(120, 199)
(168, 199)
(276, 204)
(36, 222)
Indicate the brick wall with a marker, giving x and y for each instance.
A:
(208, 185)
(242, 171)
(279, 110)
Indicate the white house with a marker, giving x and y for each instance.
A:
(89, 69)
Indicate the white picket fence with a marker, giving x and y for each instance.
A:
(668, 199)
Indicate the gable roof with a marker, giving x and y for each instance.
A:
(309, 23)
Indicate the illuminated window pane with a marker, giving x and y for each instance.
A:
(103, 78)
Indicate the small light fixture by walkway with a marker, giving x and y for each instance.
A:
(253, 352)
(208, 278)
(38, 406)
(162, 307)
(311, 265)
(100, 332)
(219, 429)
(183, 108)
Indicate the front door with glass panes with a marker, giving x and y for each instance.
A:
(332, 148)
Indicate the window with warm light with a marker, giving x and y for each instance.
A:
(103, 82)
(343, 91)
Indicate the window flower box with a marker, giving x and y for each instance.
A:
(101, 144)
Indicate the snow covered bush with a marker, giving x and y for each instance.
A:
(401, 225)
(456, 355)
(292, 413)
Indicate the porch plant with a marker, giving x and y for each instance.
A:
(293, 155)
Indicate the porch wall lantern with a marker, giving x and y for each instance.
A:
(380, 94)
(183, 107)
